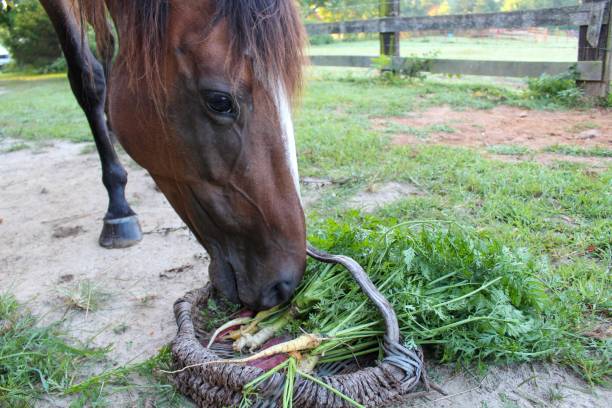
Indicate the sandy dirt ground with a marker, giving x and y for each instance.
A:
(51, 206)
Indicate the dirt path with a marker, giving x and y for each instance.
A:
(51, 205)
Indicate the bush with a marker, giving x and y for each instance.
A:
(29, 35)
(59, 65)
(321, 39)
(412, 67)
(561, 88)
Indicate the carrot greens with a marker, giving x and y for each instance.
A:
(459, 292)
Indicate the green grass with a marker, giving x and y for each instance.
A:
(34, 360)
(37, 361)
(580, 151)
(35, 108)
(508, 149)
(15, 147)
(554, 49)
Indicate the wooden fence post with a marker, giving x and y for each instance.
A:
(597, 49)
(390, 42)
(607, 69)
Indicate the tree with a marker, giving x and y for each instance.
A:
(29, 35)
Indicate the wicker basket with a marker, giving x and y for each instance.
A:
(389, 381)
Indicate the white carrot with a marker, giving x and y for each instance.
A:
(236, 322)
(253, 341)
(308, 364)
(304, 342)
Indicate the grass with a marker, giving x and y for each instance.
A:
(508, 149)
(561, 212)
(37, 362)
(423, 133)
(34, 360)
(555, 48)
(15, 147)
(38, 107)
(580, 151)
(84, 296)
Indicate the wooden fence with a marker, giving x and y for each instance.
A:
(593, 18)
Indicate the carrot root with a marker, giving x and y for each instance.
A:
(302, 343)
(236, 322)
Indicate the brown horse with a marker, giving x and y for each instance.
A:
(199, 93)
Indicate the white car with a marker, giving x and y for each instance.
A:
(5, 58)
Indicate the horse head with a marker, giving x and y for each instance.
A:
(200, 96)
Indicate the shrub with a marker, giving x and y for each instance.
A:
(321, 39)
(561, 88)
(412, 67)
(29, 35)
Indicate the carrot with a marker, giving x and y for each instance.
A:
(253, 341)
(236, 322)
(308, 363)
(304, 342)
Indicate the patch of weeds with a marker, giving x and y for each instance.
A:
(85, 296)
(607, 102)
(561, 88)
(411, 68)
(16, 147)
(34, 359)
(441, 128)
(582, 126)
(419, 132)
(145, 379)
(508, 150)
(120, 329)
(579, 151)
(555, 395)
(507, 402)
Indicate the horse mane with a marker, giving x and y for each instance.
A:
(266, 35)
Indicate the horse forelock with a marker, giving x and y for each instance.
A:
(269, 34)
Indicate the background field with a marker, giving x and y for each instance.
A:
(553, 48)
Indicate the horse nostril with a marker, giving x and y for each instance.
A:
(277, 294)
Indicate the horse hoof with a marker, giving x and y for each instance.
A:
(120, 233)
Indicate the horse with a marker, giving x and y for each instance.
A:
(200, 94)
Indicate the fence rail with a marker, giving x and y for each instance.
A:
(551, 17)
(588, 70)
(593, 18)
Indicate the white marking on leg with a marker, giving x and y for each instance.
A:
(284, 113)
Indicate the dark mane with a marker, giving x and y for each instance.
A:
(268, 35)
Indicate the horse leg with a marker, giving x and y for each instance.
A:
(86, 75)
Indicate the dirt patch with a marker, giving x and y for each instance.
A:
(525, 385)
(506, 125)
(378, 195)
(49, 242)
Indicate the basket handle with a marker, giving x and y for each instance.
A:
(409, 361)
(383, 305)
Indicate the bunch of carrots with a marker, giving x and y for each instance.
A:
(453, 289)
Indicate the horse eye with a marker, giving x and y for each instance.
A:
(220, 102)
